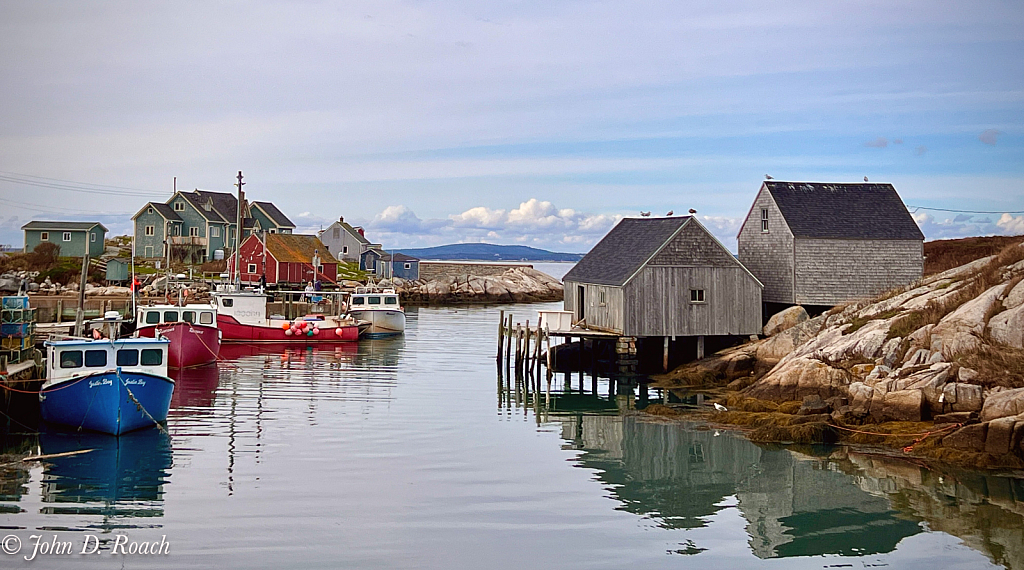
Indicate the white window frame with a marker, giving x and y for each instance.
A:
(193, 231)
(408, 266)
(273, 230)
(67, 236)
(764, 220)
(697, 296)
(344, 249)
(44, 236)
(92, 237)
(251, 268)
(179, 206)
(150, 230)
(214, 232)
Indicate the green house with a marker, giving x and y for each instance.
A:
(74, 238)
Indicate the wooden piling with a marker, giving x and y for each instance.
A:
(664, 358)
(501, 333)
(526, 348)
(508, 342)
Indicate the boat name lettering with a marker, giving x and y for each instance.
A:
(101, 382)
(135, 381)
(248, 313)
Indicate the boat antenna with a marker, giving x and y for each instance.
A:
(238, 233)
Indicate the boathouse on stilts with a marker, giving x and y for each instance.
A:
(666, 289)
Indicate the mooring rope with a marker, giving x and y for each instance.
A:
(920, 436)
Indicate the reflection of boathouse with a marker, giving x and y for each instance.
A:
(679, 477)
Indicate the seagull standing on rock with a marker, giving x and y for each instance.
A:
(720, 407)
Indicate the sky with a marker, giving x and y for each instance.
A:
(535, 123)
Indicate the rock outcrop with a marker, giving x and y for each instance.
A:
(949, 347)
(516, 285)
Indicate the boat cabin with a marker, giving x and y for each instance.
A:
(166, 314)
(246, 307)
(386, 300)
(74, 358)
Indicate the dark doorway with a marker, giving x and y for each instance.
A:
(580, 302)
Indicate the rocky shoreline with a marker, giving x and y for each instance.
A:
(935, 369)
(515, 285)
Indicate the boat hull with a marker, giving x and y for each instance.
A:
(191, 344)
(383, 322)
(108, 401)
(234, 331)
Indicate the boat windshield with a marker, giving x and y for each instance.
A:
(358, 300)
(390, 300)
(373, 300)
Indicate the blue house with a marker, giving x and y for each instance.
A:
(195, 226)
(401, 266)
(73, 238)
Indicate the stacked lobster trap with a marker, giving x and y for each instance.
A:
(17, 329)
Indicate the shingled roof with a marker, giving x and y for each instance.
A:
(223, 202)
(62, 226)
(297, 248)
(274, 214)
(624, 250)
(164, 210)
(828, 210)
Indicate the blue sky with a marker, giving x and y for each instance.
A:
(540, 123)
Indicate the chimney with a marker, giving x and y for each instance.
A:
(361, 231)
(341, 219)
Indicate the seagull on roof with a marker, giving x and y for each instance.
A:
(865, 179)
(720, 407)
(767, 177)
(644, 214)
(670, 212)
(692, 211)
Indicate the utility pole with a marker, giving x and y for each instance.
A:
(238, 235)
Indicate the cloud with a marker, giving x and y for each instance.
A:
(897, 141)
(1011, 225)
(537, 223)
(920, 150)
(880, 142)
(990, 136)
(964, 225)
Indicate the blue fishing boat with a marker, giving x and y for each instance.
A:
(107, 385)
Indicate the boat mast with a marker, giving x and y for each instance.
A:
(238, 235)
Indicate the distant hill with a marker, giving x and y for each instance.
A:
(489, 252)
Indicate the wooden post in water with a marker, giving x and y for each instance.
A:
(664, 358)
(526, 349)
(501, 333)
(700, 347)
(508, 342)
(536, 353)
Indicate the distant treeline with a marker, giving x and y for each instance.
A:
(489, 252)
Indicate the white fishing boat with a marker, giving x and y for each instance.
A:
(380, 306)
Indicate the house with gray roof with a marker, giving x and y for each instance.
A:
(823, 243)
(345, 242)
(196, 225)
(663, 277)
(73, 238)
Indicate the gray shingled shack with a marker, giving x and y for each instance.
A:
(663, 277)
(815, 243)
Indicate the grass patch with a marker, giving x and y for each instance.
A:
(941, 255)
(857, 322)
(350, 271)
(997, 366)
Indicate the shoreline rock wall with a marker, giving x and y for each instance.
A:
(514, 285)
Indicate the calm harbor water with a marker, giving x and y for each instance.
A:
(404, 453)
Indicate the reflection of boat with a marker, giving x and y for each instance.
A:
(195, 387)
(110, 386)
(234, 351)
(242, 317)
(192, 330)
(380, 307)
(120, 472)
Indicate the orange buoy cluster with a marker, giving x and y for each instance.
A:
(300, 327)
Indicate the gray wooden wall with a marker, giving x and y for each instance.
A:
(657, 302)
(769, 256)
(830, 272)
(607, 316)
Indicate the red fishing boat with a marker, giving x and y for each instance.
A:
(242, 317)
(192, 330)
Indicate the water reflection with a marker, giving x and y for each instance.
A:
(122, 478)
(796, 503)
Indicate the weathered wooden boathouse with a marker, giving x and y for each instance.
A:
(659, 279)
(822, 244)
